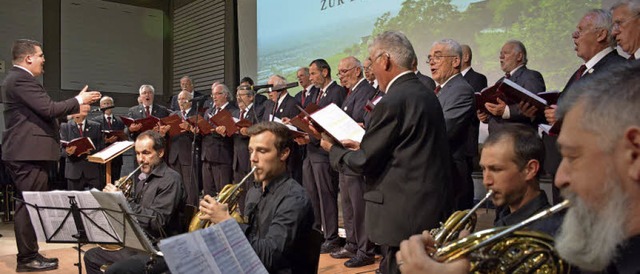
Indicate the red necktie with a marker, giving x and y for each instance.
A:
(80, 129)
(579, 72)
(146, 110)
(242, 114)
(109, 121)
(632, 57)
(437, 90)
(319, 97)
(304, 96)
(507, 75)
(348, 91)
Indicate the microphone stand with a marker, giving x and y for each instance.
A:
(195, 152)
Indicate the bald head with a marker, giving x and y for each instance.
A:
(466, 57)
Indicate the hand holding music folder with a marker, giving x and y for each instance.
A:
(174, 122)
(83, 145)
(119, 134)
(303, 120)
(515, 94)
(203, 126)
(224, 118)
(488, 95)
(146, 123)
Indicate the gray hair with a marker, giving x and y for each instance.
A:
(611, 98)
(278, 80)
(519, 47)
(305, 69)
(105, 98)
(397, 45)
(226, 91)
(356, 63)
(189, 94)
(632, 5)
(602, 20)
(150, 87)
(452, 46)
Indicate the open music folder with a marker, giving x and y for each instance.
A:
(221, 248)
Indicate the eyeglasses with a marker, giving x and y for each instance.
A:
(343, 71)
(437, 58)
(579, 33)
(618, 23)
(373, 61)
(240, 95)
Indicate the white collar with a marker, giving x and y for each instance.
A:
(395, 78)
(23, 68)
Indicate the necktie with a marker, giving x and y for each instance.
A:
(109, 121)
(304, 96)
(242, 114)
(371, 83)
(632, 57)
(579, 72)
(184, 115)
(146, 110)
(437, 90)
(218, 109)
(348, 91)
(507, 75)
(319, 97)
(80, 129)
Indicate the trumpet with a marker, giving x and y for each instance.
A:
(229, 195)
(124, 184)
(508, 249)
(458, 221)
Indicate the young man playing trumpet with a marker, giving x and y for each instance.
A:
(279, 213)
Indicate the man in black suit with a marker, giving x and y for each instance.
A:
(513, 61)
(217, 147)
(426, 80)
(626, 27)
(247, 110)
(80, 173)
(109, 122)
(258, 99)
(358, 248)
(181, 156)
(319, 179)
(187, 84)
(30, 142)
(146, 108)
(457, 100)
(282, 106)
(595, 46)
(401, 154)
(308, 92)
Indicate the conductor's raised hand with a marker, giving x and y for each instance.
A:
(89, 97)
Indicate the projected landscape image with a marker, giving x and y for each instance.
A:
(292, 33)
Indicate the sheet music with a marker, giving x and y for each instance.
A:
(221, 248)
(53, 218)
(134, 236)
(278, 120)
(113, 149)
(337, 123)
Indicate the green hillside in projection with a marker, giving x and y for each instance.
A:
(544, 26)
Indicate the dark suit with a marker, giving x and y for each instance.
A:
(552, 155)
(30, 144)
(318, 178)
(457, 100)
(352, 186)
(402, 157)
(241, 162)
(79, 172)
(528, 79)
(217, 157)
(426, 81)
(181, 159)
(478, 81)
(116, 163)
(138, 112)
(286, 109)
(303, 99)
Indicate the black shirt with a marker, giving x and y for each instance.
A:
(627, 260)
(280, 226)
(549, 225)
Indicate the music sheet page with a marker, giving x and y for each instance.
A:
(338, 124)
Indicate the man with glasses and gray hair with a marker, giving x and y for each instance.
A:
(401, 152)
(626, 27)
(457, 100)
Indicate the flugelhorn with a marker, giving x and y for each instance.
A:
(229, 195)
(458, 221)
(508, 249)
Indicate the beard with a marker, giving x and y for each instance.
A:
(589, 238)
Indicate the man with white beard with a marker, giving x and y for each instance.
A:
(599, 173)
